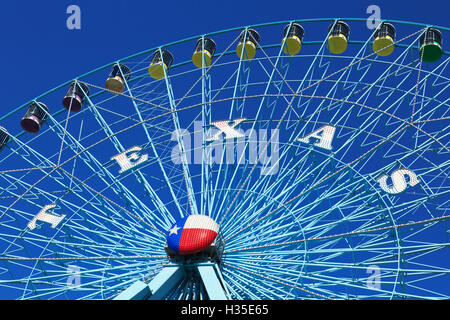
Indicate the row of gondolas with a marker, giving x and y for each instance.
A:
(430, 50)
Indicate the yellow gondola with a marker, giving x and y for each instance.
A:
(160, 66)
(294, 38)
(384, 38)
(120, 74)
(248, 43)
(205, 48)
(338, 38)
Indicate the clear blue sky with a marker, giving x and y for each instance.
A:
(39, 52)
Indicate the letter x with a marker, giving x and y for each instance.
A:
(224, 127)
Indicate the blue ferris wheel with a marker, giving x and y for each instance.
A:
(303, 159)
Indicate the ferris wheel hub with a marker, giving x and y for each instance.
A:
(194, 238)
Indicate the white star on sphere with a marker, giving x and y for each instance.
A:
(174, 230)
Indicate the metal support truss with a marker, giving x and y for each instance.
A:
(171, 276)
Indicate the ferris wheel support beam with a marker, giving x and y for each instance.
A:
(176, 122)
(298, 90)
(171, 275)
(240, 89)
(399, 100)
(206, 181)
(119, 148)
(238, 78)
(271, 83)
(213, 281)
(158, 288)
(349, 94)
(150, 140)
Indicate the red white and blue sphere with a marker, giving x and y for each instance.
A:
(192, 234)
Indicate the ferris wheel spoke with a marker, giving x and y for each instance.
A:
(240, 87)
(94, 284)
(67, 204)
(326, 255)
(410, 91)
(357, 102)
(254, 211)
(264, 290)
(99, 167)
(431, 112)
(320, 280)
(275, 279)
(64, 253)
(309, 221)
(265, 146)
(369, 211)
(92, 216)
(176, 125)
(362, 232)
(151, 225)
(206, 170)
(88, 162)
(358, 57)
(237, 287)
(270, 84)
(150, 141)
(267, 289)
(287, 191)
(83, 242)
(318, 183)
(119, 149)
(316, 63)
(95, 195)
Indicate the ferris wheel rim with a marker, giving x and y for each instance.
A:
(146, 51)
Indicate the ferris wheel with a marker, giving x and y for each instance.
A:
(303, 159)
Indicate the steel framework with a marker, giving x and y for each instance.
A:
(329, 176)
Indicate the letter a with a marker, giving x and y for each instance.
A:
(324, 136)
(74, 279)
(374, 20)
(74, 20)
(373, 281)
